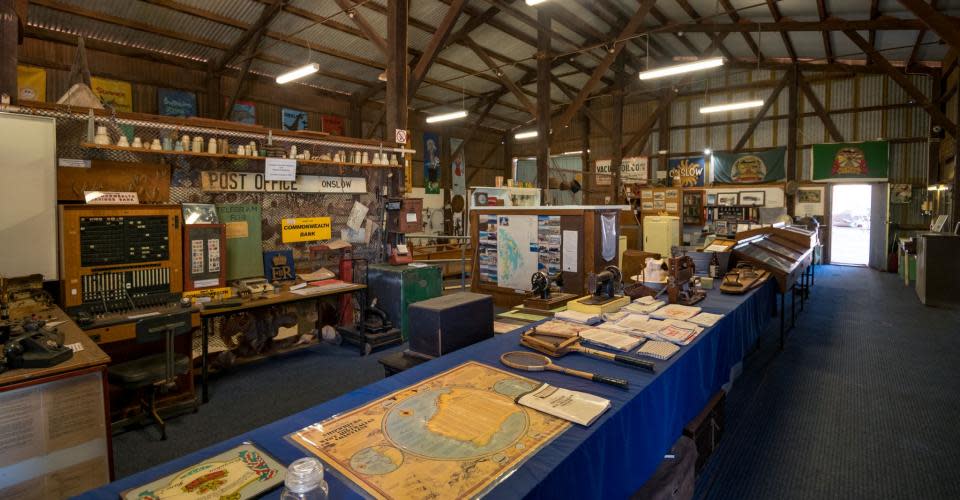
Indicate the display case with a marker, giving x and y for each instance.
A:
(693, 207)
(783, 251)
(505, 196)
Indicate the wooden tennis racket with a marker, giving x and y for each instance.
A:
(533, 362)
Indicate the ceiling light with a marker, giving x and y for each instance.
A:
(456, 115)
(535, 2)
(733, 106)
(298, 73)
(708, 151)
(662, 152)
(382, 76)
(525, 135)
(681, 68)
(572, 153)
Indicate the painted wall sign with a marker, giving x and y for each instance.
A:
(851, 162)
(750, 168)
(171, 102)
(223, 181)
(111, 198)
(687, 172)
(305, 229)
(294, 119)
(633, 170)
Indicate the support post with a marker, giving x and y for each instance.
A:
(792, 105)
(356, 119)
(616, 142)
(584, 151)
(663, 141)
(955, 192)
(543, 102)
(9, 31)
(507, 157)
(397, 77)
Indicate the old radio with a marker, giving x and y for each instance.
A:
(119, 262)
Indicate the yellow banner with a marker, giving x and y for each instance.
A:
(305, 229)
(113, 92)
(31, 84)
(214, 293)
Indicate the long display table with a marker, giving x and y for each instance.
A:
(610, 459)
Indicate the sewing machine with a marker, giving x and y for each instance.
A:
(543, 297)
(680, 276)
(607, 293)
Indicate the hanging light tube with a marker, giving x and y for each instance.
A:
(733, 106)
(456, 115)
(298, 73)
(526, 135)
(535, 2)
(679, 69)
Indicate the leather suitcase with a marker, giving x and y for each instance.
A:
(444, 324)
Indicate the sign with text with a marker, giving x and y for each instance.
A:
(687, 172)
(280, 169)
(223, 182)
(633, 170)
(305, 229)
(111, 198)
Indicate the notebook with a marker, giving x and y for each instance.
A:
(578, 407)
(578, 317)
(675, 311)
(706, 319)
(611, 339)
(658, 349)
(638, 307)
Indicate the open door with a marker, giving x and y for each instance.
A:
(879, 225)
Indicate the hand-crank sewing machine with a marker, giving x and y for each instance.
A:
(607, 296)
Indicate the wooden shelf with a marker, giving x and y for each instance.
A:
(226, 156)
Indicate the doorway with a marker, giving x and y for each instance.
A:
(850, 210)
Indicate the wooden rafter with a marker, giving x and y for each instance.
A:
(643, 133)
(569, 92)
(358, 18)
(818, 108)
(437, 42)
(757, 118)
(874, 13)
(825, 35)
(831, 24)
(777, 17)
(936, 115)
(716, 40)
(662, 19)
(507, 82)
(632, 26)
(945, 27)
(735, 17)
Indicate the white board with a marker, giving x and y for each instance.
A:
(28, 196)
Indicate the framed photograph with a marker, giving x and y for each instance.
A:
(659, 196)
(673, 194)
(720, 227)
(659, 204)
(753, 198)
(809, 195)
(646, 194)
(200, 213)
(711, 199)
(727, 199)
(204, 256)
(671, 206)
(901, 194)
(646, 205)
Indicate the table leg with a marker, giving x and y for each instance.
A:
(803, 289)
(813, 274)
(204, 350)
(783, 313)
(793, 305)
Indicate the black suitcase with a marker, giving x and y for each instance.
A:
(444, 324)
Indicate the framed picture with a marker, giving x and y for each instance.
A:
(204, 256)
(659, 196)
(809, 195)
(673, 194)
(727, 199)
(901, 194)
(753, 198)
(711, 199)
(646, 205)
(720, 227)
(200, 213)
(659, 204)
(646, 194)
(672, 206)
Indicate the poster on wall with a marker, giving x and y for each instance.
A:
(457, 168)
(294, 119)
(31, 84)
(113, 93)
(487, 248)
(244, 112)
(901, 194)
(634, 169)
(602, 169)
(851, 162)
(548, 240)
(750, 168)
(431, 163)
(171, 102)
(687, 172)
(331, 124)
(809, 201)
(518, 252)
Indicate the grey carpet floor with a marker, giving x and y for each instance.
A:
(863, 402)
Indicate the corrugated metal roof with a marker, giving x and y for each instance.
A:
(247, 11)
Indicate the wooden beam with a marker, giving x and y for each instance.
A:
(437, 43)
(716, 40)
(757, 118)
(242, 80)
(955, 192)
(476, 125)
(825, 35)
(629, 30)
(616, 138)
(543, 101)
(939, 23)
(874, 13)
(371, 33)
(793, 109)
(785, 24)
(777, 17)
(735, 17)
(819, 109)
(933, 110)
(507, 82)
(643, 133)
(662, 19)
(591, 114)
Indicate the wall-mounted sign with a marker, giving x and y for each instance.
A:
(223, 181)
(31, 83)
(331, 124)
(400, 136)
(305, 229)
(111, 198)
(280, 169)
(171, 102)
(633, 170)
(750, 168)
(687, 172)
(243, 112)
(851, 162)
(294, 119)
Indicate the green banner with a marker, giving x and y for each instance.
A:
(851, 161)
(749, 168)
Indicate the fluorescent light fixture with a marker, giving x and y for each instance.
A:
(456, 115)
(571, 153)
(298, 73)
(535, 2)
(526, 135)
(733, 106)
(681, 68)
(708, 151)
(662, 152)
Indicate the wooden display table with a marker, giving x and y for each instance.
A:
(57, 411)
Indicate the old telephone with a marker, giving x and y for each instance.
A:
(400, 255)
(31, 343)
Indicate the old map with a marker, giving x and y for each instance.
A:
(448, 436)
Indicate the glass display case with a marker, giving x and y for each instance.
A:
(784, 252)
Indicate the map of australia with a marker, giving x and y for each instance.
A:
(517, 251)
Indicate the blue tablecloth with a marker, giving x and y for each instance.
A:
(610, 459)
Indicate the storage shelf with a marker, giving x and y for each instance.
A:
(226, 156)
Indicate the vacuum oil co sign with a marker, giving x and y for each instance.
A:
(305, 229)
(222, 181)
